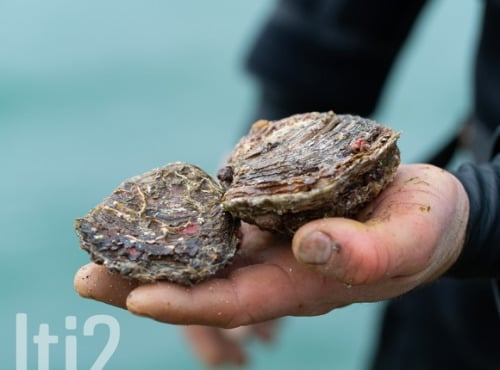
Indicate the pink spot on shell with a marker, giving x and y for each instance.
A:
(189, 229)
(360, 145)
(132, 252)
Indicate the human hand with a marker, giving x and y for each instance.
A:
(410, 235)
(213, 346)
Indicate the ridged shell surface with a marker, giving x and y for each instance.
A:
(165, 224)
(287, 172)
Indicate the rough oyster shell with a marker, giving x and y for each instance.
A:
(165, 224)
(308, 166)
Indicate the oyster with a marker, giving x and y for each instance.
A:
(176, 223)
(165, 224)
(308, 166)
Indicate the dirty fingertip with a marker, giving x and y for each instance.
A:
(82, 281)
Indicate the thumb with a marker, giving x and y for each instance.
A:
(347, 250)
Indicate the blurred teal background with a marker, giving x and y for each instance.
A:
(93, 92)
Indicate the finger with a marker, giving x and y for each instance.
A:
(265, 331)
(226, 303)
(254, 239)
(397, 239)
(346, 250)
(96, 282)
(249, 295)
(213, 348)
(357, 253)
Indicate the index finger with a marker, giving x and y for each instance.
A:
(252, 294)
(96, 282)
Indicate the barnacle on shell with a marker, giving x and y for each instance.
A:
(177, 223)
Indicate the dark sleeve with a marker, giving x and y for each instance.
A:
(330, 54)
(481, 253)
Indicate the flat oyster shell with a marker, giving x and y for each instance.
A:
(165, 224)
(287, 172)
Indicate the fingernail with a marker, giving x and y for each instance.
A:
(316, 248)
